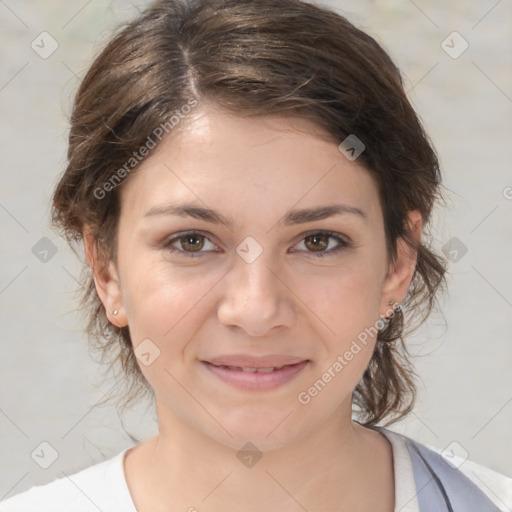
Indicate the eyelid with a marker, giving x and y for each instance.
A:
(344, 242)
(334, 234)
(168, 241)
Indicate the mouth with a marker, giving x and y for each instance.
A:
(252, 374)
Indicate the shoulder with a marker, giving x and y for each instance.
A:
(440, 474)
(99, 487)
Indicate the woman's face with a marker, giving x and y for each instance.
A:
(229, 258)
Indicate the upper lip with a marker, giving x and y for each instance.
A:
(246, 361)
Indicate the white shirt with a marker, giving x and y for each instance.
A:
(103, 486)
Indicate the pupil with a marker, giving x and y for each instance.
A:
(190, 241)
(316, 239)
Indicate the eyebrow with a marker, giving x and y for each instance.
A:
(291, 218)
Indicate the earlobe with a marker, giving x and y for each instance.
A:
(106, 281)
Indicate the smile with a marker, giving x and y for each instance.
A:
(252, 378)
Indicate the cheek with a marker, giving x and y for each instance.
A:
(157, 298)
(345, 302)
(348, 305)
(346, 298)
(162, 307)
(163, 301)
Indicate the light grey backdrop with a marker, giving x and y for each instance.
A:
(50, 385)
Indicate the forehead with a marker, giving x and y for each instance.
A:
(243, 164)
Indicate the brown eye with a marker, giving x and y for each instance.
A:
(189, 244)
(194, 243)
(317, 242)
(323, 243)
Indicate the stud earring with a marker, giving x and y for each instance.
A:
(394, 305)
(114, 312)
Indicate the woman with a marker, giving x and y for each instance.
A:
(251, 186)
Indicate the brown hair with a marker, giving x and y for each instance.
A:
(252, 58)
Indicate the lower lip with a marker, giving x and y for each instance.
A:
(255, 381)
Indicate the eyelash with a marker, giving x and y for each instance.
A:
(342, 244)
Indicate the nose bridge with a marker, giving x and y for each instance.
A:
(255, 281)
(252, 264)
(254, 298)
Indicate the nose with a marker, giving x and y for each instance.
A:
(256, 299)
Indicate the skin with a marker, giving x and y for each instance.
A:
(287, 301)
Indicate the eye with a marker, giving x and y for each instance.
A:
(190, 243)
(317, 243)
(323, 243)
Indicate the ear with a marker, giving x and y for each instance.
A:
(106, 280)
(400, 273)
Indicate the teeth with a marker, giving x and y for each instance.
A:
(254, 370)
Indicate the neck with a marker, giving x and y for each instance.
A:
(343, 466)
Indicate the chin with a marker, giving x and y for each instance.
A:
(265, 428)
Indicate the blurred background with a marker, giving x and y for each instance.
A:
(456, 59)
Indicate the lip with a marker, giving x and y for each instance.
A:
(246, 361)
(229, 370)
